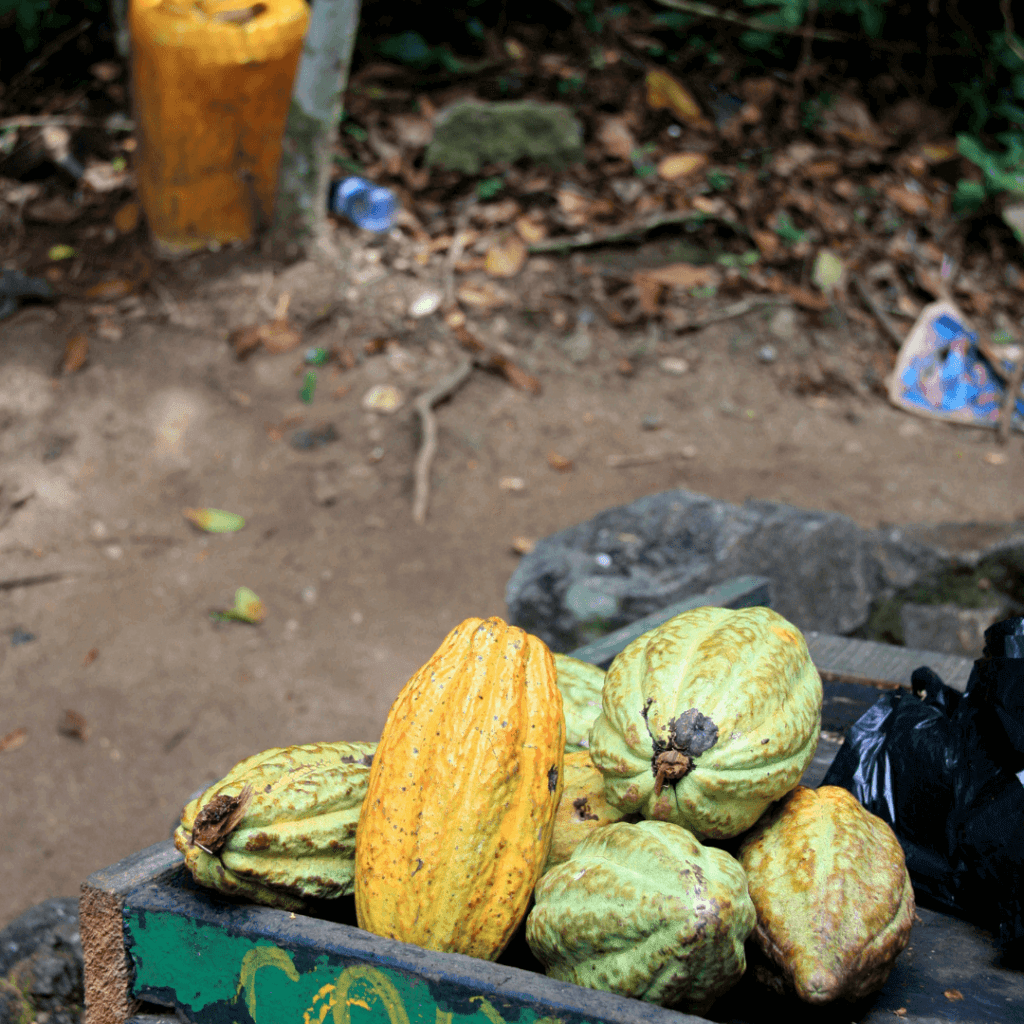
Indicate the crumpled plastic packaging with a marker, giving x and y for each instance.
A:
(946, 771)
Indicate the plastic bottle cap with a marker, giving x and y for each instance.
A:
(365, 204)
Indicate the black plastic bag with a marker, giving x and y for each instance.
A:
(946, 771)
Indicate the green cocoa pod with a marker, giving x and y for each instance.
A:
(280, 827)
(645, 911)
(580, 684)
(832, 892)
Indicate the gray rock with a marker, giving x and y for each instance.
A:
(948, 628)
(40, 925)
(469, 134)
(41, 955)
(827, 572)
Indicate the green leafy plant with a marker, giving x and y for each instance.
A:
(791, 14)
(787, 230)
(35, 18)
(719, 180)
(999, 100)
(412, 49)
(488, 188)
(1003, 172)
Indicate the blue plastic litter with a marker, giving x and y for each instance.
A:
(367, 205)
(941, 373)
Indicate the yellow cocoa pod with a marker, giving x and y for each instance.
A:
(458, 817)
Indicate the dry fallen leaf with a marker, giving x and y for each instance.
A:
(531, 231)
(109, 290)
(559, 462)
(13, 739)
(768, 243)
(506, 257)
(625, 367)
(73, 724)
(954, 995)
(614, 134)
(681, 165)
(279, 336)
(664, 91)
(822, 169)
(76, 352)
(482, 296)
(913, 204)
(126, 218)
(523, 545)
(90, 656)
(650, 283)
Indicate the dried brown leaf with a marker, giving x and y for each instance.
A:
(244, 339)
(681, 165)
(76, 352)
(126, 218)
(14, 739)
(506, 257)
(615, 136)
(530, 230)
(913, 204)
(279, 336)
(90, 656)
(664, 91)
(559, 462)
(485, 296)
(73, 724)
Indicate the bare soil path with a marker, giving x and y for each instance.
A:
(99, 566)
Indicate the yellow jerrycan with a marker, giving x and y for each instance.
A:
(211, 83)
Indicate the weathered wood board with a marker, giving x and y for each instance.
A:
(153, 938)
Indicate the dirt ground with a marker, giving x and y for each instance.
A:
(115, 587)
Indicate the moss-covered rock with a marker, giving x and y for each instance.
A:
(470, 134)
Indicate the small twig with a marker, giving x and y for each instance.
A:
(740, 308)
(455, 252)
(879, 314)
(791, 114)
(617, 234)
(618, 461)
(47, 52)
(15, 582)
(50, 120)
(1010, 400)
(718, 14)
(423, 405)
(1010, 37)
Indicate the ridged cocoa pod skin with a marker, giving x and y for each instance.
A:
(708, 718)
(832, 892)
(580, 684)
(645, 911)
(458, 817)
(279, 828)
(583, 807)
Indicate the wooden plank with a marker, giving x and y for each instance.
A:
(739, 592)
(215, 961)
(845, 659)
(108, 971)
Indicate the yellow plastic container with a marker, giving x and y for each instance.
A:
(212, 82)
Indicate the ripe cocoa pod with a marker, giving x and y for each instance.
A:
(279, 828)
